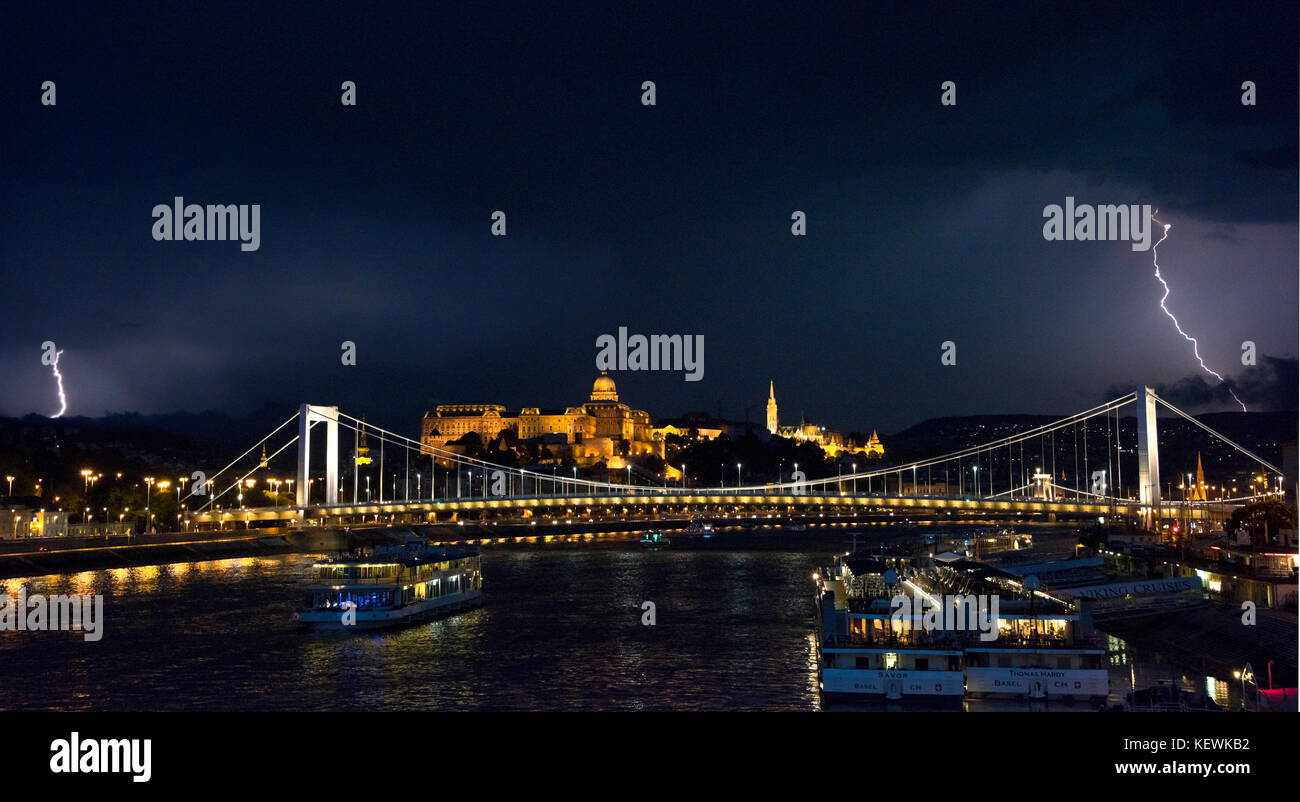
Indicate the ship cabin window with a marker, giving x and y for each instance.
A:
(922, 664)
(862, 663)
(364, 600)
(1004, 661)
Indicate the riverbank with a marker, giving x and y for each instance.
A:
(89, 558)
(56, 556)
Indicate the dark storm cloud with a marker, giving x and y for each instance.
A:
(923, 221)
(1283, 157)
(1269, 386)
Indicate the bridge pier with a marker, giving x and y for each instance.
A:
(1148, 457)
(307, 415)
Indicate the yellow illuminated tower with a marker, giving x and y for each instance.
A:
(874, 448)
(1198, 492)
(363, 453)
(771, 407)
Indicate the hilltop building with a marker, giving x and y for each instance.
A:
(595, 431)
(772, 424)
(830, 440)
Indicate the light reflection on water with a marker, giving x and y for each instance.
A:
(559, 630)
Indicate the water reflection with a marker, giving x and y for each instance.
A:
(560, 629)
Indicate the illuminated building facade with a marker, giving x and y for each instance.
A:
(830, 440)
(588, 433)
(23, 521)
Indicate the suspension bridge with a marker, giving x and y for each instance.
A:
(990, 479)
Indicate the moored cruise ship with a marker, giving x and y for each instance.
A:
(1045, 648)
(898, 627)
(390, 585)
(863, 650)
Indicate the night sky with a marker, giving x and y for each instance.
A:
(924, 221)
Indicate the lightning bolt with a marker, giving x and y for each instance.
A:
(63, 401)
(1155, 258)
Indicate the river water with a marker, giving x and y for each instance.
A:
(560, 629)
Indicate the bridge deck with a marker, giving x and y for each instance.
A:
(837, 501)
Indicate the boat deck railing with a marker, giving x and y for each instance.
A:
(957, 640)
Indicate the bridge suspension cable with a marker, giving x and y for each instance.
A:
(568, 485)
(241, 479)
(1004, 441)
(1213, 433)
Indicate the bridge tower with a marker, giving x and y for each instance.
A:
(307, 415)
(1148, 456)
(771, 407)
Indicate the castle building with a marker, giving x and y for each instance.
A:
(589, 432)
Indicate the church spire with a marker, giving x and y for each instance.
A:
(1198, 492)
(771, 407)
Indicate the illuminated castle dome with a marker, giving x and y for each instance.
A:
(604, 389)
